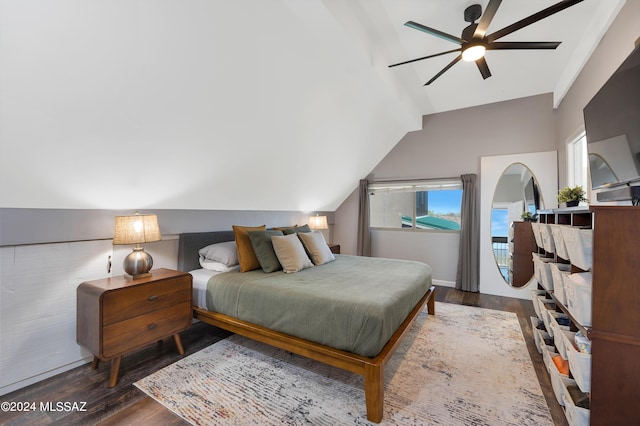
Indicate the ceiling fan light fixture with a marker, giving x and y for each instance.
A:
(473, 52)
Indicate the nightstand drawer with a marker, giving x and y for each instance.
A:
(126, 303)
(144, 329)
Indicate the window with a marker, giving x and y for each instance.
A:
(500, 239)
(577, 162)
(426, 204)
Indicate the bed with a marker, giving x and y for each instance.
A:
(361, 352)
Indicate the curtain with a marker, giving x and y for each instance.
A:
(364, 236)
(468, 276)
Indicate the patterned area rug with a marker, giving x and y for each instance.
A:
(463, 366)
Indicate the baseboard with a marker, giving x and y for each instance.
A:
(443, 283)
(42, 376)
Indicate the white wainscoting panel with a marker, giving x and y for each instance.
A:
(38, 307)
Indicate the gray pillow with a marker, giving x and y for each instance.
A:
(263, 248)
(296, 229)
(225, 253)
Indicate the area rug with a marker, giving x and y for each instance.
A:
(462, 366)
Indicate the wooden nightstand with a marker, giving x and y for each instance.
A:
(118, 315)
(335, 248)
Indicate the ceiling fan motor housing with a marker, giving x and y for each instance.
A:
(472, 13)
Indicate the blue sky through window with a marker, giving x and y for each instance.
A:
(443, 202)
(499, 225)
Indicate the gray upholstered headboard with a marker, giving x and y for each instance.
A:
(189, 244)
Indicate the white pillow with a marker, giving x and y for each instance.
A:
(317, 247)
(212, 265)
(290, 253)
(225, 253)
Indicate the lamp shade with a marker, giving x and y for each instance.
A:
(318, 222)
(136, 229)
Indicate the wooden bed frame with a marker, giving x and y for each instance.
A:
(372, 369)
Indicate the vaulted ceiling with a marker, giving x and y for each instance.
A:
(515, 73)
(242, 105)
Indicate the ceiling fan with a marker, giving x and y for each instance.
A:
(474, 41)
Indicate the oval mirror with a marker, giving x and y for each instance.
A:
(601, 173)
(517, 192)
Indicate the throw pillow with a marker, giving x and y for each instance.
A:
(317, 247)
(295, 229)
(246, 256)
(263, 248)
(291, 254)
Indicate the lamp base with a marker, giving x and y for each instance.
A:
(138, 276)
(137, 264)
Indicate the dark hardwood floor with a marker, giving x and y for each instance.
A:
(126, 405)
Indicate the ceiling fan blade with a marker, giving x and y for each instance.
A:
(452, 63)
(425, 57)
(485, 19)
(513, 45)
(483, 67)
(532, 19)
(434, 32)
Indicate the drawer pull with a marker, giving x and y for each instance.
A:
(152, 326)
(152, 298)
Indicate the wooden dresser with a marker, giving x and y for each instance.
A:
(524, 244)
(119, 315)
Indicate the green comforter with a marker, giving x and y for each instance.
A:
(353, 303)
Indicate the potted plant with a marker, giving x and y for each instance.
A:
(528, 217)
(571, 196)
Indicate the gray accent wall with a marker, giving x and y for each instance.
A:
(614, 48)
(450, 144)
(37, 226)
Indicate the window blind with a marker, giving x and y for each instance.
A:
(415, 186)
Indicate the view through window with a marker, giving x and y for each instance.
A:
(425, 205)
(577, 162)
(499, 239)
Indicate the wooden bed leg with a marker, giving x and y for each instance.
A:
(431, 303)
(374, 391)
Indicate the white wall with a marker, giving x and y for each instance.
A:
(212, 105)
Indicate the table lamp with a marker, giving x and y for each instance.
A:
(137, 229)
(318, 222)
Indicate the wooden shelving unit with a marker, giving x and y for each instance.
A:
(615, 329)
